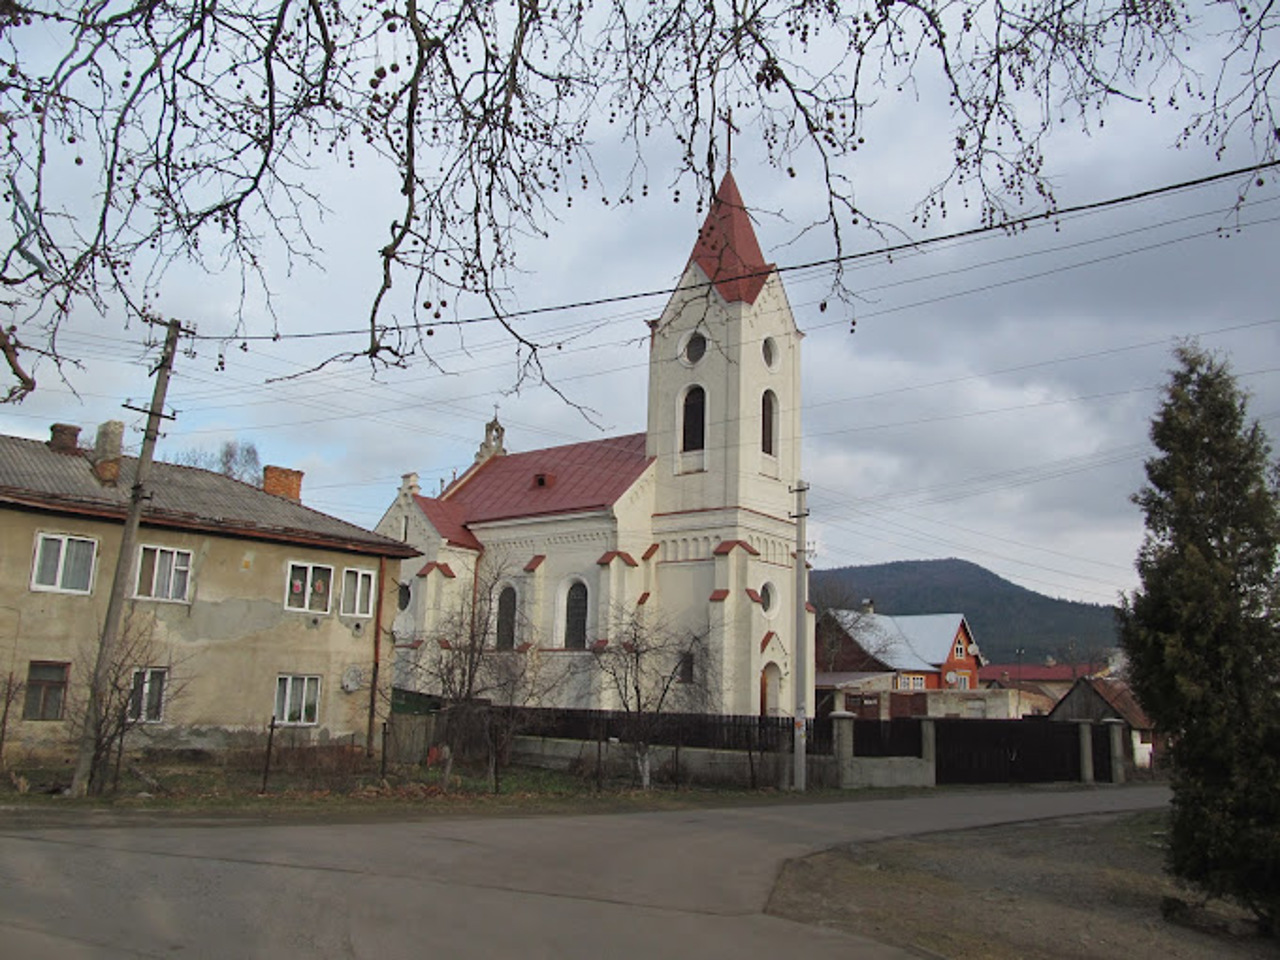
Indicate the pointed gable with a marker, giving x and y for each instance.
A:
(727, 249)
(570, 479)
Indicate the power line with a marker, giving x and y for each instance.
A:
(891, 250)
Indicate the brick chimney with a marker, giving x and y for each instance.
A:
(281, 482)
(64, 438)
(107, 451)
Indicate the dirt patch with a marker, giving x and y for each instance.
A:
(1087, 887)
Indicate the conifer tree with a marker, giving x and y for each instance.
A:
(1202, 632)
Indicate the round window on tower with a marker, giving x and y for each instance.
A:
(769, 351)
(695, 348)
(768, 599)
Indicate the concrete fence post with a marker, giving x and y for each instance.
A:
(929, 748)
(842, 742)
(1117, 728)
(1086, 750)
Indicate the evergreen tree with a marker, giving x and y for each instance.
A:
(1202, 632)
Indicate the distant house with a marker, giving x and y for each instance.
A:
(243, 604)
(926, 652)
(1052, 680)
(1103, 698)
(878, 666)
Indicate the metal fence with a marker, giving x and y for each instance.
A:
(900, 737)
(698, 730)
(1016, 751)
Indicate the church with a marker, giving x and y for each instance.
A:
(688, 524)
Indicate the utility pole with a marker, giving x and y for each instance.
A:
(124, 570)
(801, 650)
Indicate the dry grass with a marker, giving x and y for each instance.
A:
(1086, 887)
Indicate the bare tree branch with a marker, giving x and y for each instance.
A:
(137, 136)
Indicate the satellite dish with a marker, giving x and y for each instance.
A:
(352, 678)
(951, 676)
(973, 649)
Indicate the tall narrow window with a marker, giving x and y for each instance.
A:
(575, 617)
(357, 593)
(769, 423)
(146, 700)
(693, 436)
(507, 619)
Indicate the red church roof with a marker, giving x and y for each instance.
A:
(727, 249)
(569, 479)
(449, 521)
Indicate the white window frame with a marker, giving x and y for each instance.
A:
(287, 685)
(911, 681)
(352, 607)
(307, 588)
(176, 564)
(962, 681)
(139, 710)
(60, 574)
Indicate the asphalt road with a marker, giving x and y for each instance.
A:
(654, 885)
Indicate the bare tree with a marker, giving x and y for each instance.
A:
(653, 669)
(483, 661)
(11, 688)
(236, 459)
(141, 688)
(845, 635)
(140, 135)
(1084, 658)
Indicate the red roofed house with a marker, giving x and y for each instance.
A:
(690, 519)
(1051, 679)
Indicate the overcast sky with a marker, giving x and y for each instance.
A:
(993, 403)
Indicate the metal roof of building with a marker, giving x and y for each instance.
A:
(576, 478)
(911, 643)
(34, 476)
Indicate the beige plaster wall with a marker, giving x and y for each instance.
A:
(224, 647)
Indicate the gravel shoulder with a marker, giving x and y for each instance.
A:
(1081, 887)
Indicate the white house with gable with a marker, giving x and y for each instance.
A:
(689, 521)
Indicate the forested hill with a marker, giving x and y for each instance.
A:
(1002, 615)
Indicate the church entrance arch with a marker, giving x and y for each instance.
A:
(770, 690)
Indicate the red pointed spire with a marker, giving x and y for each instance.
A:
(727, 249)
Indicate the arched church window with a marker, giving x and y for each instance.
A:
(507, 619)
(693, 427)
(769, 423)
(768, 352)
(575, 617)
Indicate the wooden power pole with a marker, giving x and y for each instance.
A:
(91, 736)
